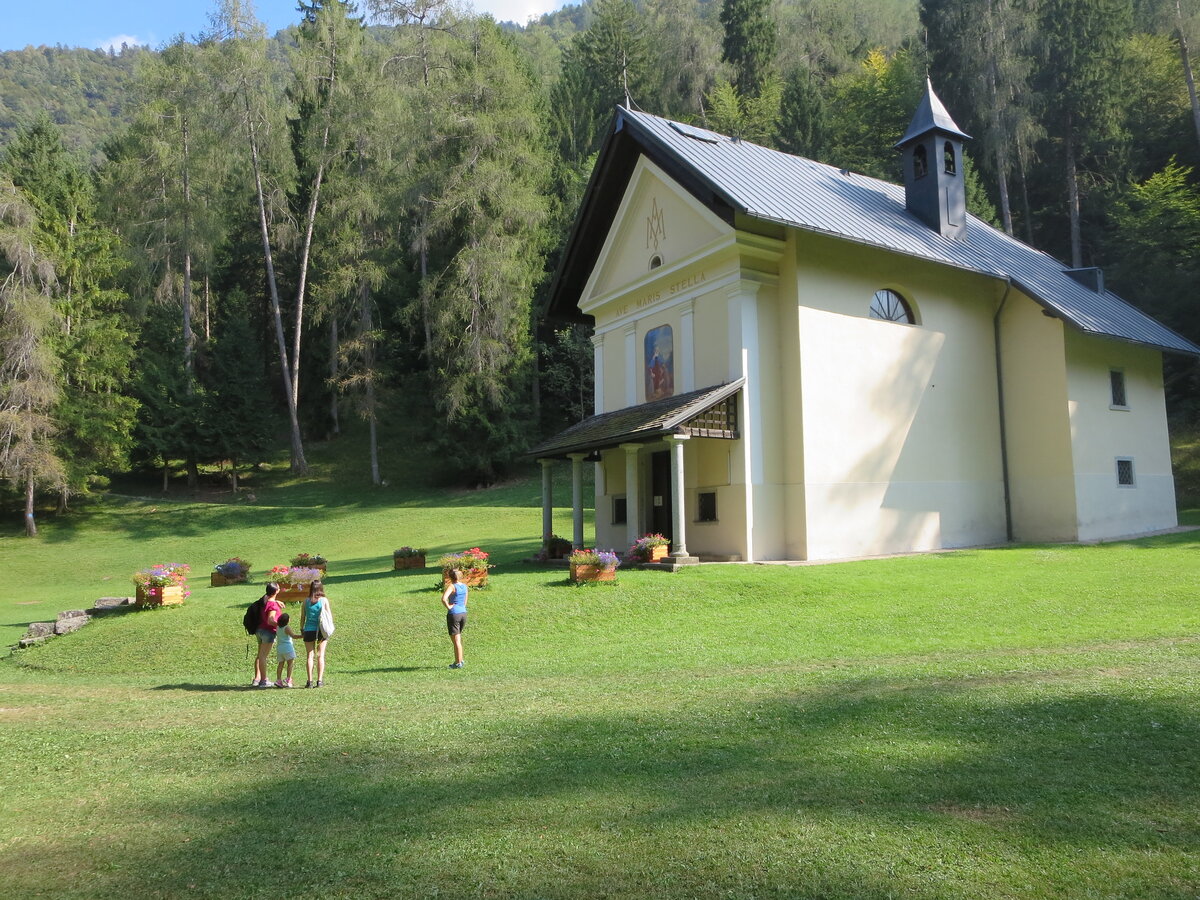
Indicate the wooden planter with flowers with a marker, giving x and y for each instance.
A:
(310, 561)
(472, 565)
(169, 595)
(593, 565)
(163, 584)
(408, 558)
(232, 571)
(294, 582)
(649, 548)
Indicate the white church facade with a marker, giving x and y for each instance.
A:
(796, 362)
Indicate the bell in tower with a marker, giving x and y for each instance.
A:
(933, 168)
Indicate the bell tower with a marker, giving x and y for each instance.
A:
(934, 190)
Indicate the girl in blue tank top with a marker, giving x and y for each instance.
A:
(454, 598)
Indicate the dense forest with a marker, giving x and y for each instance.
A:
(238, 237)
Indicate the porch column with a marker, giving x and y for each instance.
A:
(577, 498)
(679, 545)
(547, 500)
(633, 506)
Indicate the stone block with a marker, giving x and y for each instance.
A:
(72, 614)
(31, 641)
(74, 623)
(39, 629)
(104, 604)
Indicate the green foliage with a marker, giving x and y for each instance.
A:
(749, 45)
(752, 118)
(802, 115)
(875, 105)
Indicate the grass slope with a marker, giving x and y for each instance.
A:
(984, 724)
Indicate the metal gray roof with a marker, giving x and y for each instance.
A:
(635, 424)
(776, 187)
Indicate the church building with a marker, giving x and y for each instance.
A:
(796, 362)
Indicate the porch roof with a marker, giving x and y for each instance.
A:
(635, 424)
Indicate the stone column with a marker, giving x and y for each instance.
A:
(577, 498)
(633, 505)
(547, 499)
(678, 516)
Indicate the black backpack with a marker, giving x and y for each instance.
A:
(252, 620)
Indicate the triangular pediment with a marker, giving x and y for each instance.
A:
(658, 224)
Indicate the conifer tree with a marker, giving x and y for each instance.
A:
(751, 39)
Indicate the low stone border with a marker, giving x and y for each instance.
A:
(71, 620)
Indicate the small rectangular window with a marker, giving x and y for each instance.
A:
(618, 511)
(1125, 473)
(706, 503)
(1116, 379)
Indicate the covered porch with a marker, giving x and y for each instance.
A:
(708, 413)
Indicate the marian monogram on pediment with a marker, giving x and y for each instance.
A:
(656, 226)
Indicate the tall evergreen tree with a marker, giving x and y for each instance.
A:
(750, 43)
(28, 368)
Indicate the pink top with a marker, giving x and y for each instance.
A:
(267, 607)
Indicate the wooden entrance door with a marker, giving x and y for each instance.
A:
(660, 494)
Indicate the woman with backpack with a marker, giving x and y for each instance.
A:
(267, 624)
(317, 625)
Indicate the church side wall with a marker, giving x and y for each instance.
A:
(1104, 433)
(901, 422)
(1037, 426)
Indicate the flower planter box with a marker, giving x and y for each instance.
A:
(172, 595)
(292, 593)
(591, 573)
(216, 579)
(658, 553)
(470, 577)
(408, 562)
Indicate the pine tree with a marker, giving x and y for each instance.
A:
(751, 39)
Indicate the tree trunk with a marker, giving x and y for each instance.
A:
(166, 476)
(366, 327)
(188, 341)
(207, 319)
(30, 523)
(299, 463)
(193, 472)
(333, 374)
(1073, 196)
(1185, 56)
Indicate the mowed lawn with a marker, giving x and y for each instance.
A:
(1014, 723)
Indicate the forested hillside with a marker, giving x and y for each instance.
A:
(237, 238)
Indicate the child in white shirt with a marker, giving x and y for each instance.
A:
(285, 650)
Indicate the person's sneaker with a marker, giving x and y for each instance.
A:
(456, 665)
(280, 684)
(264, 684)
(320, 682)
(288, 683)
(308, 683)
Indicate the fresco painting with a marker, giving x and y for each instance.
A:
(660, 363)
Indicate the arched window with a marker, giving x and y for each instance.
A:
(920, 162)
(655, 261)
(948, 155)
(891, 307)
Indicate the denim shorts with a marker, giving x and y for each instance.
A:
(266, 636)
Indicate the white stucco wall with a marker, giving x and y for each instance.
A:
(1101, 434)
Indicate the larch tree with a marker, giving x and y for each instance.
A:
(750, 43)
(29, 388)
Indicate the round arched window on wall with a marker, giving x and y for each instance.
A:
(891, 307)
(655, 261)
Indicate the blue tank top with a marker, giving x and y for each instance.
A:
(459, 604)
(312, 615)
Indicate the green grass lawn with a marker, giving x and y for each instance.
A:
(1016, 723)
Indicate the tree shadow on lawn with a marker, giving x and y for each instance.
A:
(203, 688)
(872, 780)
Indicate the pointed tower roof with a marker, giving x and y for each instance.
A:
(930, 115)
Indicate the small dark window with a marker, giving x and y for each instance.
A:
(619, 507)
(1116, 379)
(706, 503)
(891, 307)
(920, 162)
(948, 156)
(1125, 472)
(655, 261)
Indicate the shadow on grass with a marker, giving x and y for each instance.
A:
(203, 688)
(870, 781)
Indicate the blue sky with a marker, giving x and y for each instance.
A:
(105, 23)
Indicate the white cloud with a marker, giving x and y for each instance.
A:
(519, 11)
(114, 43)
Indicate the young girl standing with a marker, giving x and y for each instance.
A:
(314, 641)
(454, 598)
(285, 650)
